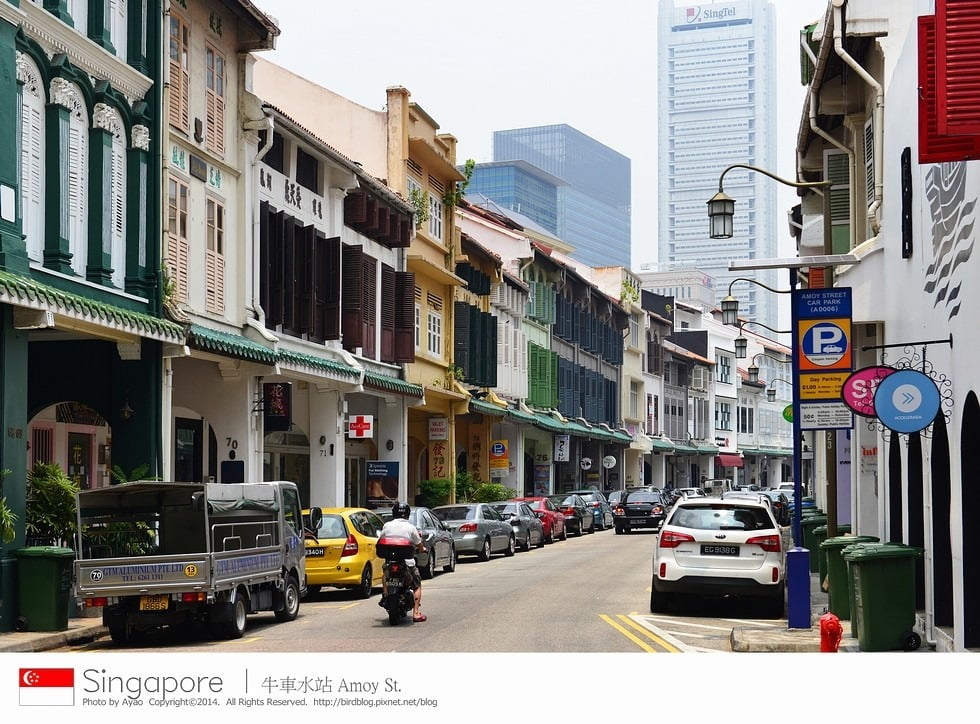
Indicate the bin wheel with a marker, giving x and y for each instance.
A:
(20, 624)
(911, 641)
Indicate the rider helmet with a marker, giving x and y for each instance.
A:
(400, 510)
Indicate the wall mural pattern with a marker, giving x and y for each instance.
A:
(953, 222)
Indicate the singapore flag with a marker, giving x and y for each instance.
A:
(47, 687)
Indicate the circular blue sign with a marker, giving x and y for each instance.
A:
(498, 448)
(824, 344)
(907, 401)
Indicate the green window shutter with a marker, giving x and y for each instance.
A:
(462, 342)
(837, 171)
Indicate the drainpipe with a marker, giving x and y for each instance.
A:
(267, 124)
(878, 119)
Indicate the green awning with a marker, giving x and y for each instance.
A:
(321, 364)
(662, 445)
(680, 449)
(229, 345)
(488, 408)
(393, 384)
(21, 291)
(707, 449)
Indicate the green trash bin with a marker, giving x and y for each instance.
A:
(820, 534)
(882, 579)
(807, 526)
(835, 572)
(44, 582)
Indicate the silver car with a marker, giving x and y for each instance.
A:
(478, 529)
(528, 528)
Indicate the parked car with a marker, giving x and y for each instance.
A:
(440, 547)
(528, 528)
(714, 547)
(691, 492)
(780, 505)
(343, 554)
(639, 509)
(601, 509)
(478, 529)
(579, 518)
(552, 519)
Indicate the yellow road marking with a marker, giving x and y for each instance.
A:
(639, 642)
(667, 646)
(649, 634)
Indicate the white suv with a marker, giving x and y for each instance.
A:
(720, 547)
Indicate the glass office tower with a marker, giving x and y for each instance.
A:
(574, 186)
(717, 107)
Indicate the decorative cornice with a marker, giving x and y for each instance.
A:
(141, 138)
(28, 74)
(57, 37)
(14, 16)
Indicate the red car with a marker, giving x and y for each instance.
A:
(551, 518)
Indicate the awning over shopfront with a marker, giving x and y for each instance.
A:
(767, 452)
(729, 460)
(663, 444)
(393, 384)
(680, 449)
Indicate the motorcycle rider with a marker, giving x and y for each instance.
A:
(400, 527)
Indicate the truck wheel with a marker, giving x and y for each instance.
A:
(118, 634)
(290, 601)
(235, 627)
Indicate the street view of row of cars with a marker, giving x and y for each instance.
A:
(344, 555)
(725, 544)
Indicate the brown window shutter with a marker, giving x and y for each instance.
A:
(289, 276)
(369, 305)
(387, 314)
(274, 263)
(957, 53)
(305, 279)
(934, 146)
(384, 222)
(404, 316)
(355, 208)
(371, 223)
(351, 327)
(328, 286)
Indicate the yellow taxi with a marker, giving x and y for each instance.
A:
(344, 554)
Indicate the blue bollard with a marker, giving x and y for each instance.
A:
(798, 588)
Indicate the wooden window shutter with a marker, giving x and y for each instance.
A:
(369, 305)
(327, 292)
(489, 363)
(384, 222)
(404, 316)
(837, 171)
(289, 276)
(371, 223)
(275, 265)
(461, 337)
(32, 170)
(957, 53)
(387, 313)
(306, 269)
(934, 146)
(355, 208)
(179, 111)
(351, 326)
(215, 101)
(869, 161)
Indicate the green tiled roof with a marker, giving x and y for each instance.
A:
(25, 292)
(685, 449)
(229, 345)
(488, 408)
(659, 444)
(708, 449)
(393, 384)
(318, 363)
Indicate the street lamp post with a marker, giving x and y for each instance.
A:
(721, 216)
(754, 369)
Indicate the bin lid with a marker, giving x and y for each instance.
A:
(843, 541)
(871, 551)
(820, 529)
(44, 552)
(814, 520)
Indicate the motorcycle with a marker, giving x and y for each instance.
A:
(398, 580)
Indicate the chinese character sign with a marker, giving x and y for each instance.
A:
(438, 462)
(561, 448)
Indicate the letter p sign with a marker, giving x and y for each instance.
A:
(825, 344)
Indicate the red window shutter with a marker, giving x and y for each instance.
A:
(387, 314)
(404, 316)
(934, 146)
(369, 305)
(355, 208)
(384, 220)
(351, 299)
(958, 67)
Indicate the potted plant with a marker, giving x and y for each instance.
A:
(8, 520)
(50, 506)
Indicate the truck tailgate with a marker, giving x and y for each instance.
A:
(135, 575)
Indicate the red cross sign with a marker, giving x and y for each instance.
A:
(360, 426)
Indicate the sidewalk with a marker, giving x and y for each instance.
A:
(80, 630)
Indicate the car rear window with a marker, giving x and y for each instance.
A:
(642, 496)
(331, 526)
(456, 512)
(721, 517)
(506, 508)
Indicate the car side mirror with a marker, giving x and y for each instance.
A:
(316, 517)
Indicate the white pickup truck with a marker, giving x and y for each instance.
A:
(156, 554)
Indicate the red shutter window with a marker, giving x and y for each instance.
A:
(958, 67)
(369, 305)
(387, 313)
(934, 146)
(352, 297)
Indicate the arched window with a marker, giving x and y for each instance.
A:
(31, 157)
(75, 169)
(117, 200)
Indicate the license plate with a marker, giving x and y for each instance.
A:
(713, 550)
(638, 520)
(154, 603)
(314, 553)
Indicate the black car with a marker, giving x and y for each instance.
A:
(780, 505)
(579, 518)
(601, 509)
(640, 509)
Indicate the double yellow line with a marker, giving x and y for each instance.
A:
(628, 623)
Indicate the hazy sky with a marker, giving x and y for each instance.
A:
(477, 67)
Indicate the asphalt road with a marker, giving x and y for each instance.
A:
(586, 594)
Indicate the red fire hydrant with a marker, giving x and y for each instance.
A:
(830, 633)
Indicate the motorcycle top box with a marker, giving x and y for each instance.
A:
(391, 547)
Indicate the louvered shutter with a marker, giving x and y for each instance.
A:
(328, 286)
(178, 248)
(117, 231)
(387, 313)
(289, 275)
(355, 208)
(77, 162)
(306, 270)
(351, 313)
(479, 337)
(837, 171)
(369, 305)
(32, 163)
(869, 160)
(179, 111)
(935, 147)
(490, 366)
(215, 102)
(404, 316)
(461, 337)
(957, 53)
